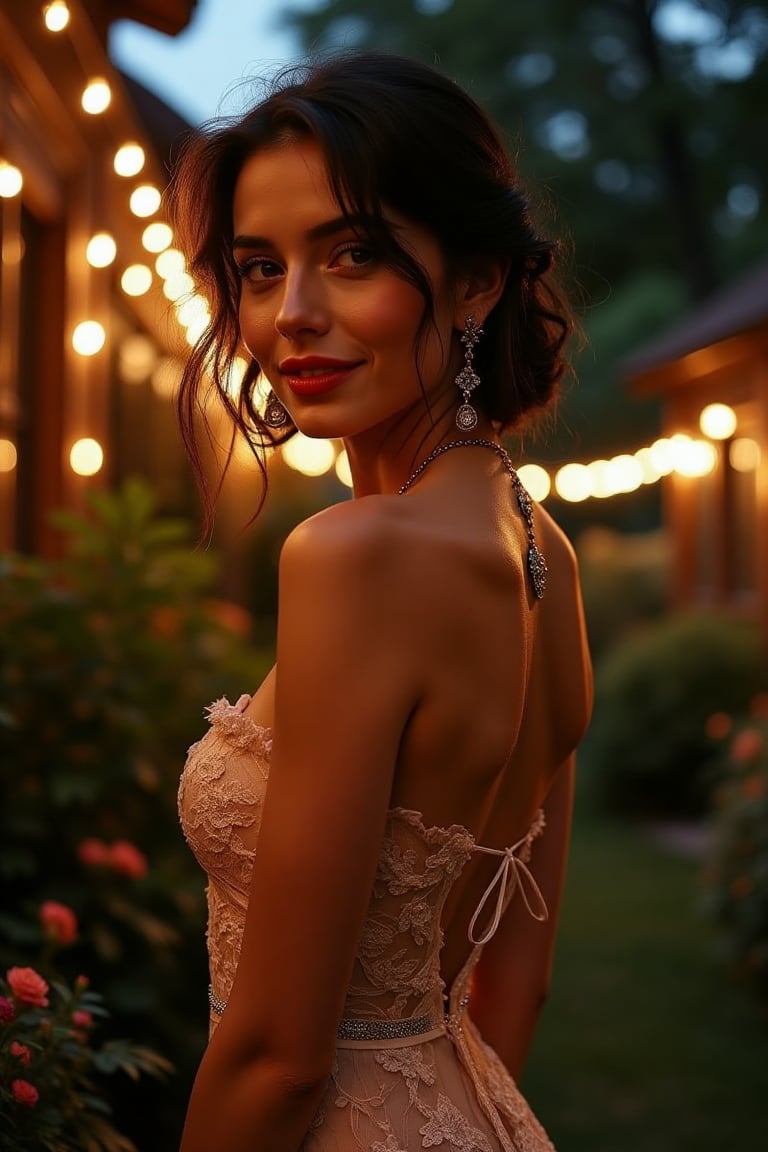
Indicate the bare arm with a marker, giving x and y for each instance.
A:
(342, 698)
(513, 975)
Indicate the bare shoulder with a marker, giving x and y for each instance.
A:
(352, 539)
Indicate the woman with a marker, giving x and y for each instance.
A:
(377, 966)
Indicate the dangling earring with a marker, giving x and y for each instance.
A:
(467, 380)
(275, 414)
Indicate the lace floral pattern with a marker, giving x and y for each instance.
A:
(450, 1092)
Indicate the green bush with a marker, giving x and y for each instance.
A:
(107, 660)
(623, 584)
(736, 875)
(649, 751)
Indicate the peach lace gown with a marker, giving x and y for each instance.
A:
(439, 1086)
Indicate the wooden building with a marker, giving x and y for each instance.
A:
(718, 523)
(90, 337)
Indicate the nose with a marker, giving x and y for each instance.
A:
(303, 305)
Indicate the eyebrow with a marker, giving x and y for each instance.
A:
(327, 228)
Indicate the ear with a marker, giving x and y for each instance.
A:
(479, 288)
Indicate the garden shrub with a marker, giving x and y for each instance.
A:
(107, 660)
(623, 583)
(52, 1060)
(736, 873)
(648, 748)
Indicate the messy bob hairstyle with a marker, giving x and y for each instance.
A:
(395, 134)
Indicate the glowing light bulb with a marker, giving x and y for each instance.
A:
(170, 263)
(56, 16)
(8, 456)
(718, 421)
(101, 250)
(662, 456)
(136, 280)
(145, 200)
(11, 180)
(744, 454)
(310, 457)
(343, 470)
(129, 159)
(536, 480)
(156, 237)
(86, 457)
(177, 286)
(650, 472)
(88, 338)
(96, 97)
(573, 482)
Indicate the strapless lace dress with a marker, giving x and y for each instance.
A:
(411, 1069)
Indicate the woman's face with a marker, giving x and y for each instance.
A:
(333, 329)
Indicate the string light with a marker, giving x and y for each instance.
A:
(342, 468)
(56, 16)
(8, 456)
(11, 180)
(86, 457)
(718, 421)
(145, 200)
(536, 480)
(744, 454)
(136, 280)
(310, 457)
(88, 338)
(177, 286)
(170, 263)
(101, 250)
(156, 237)
(96, 97)
(129, 159)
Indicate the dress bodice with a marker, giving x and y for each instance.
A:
(397, 967)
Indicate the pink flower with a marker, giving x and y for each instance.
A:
(28, 987)
(25, 1093)
(718, 725)
(59, 922)
(21, 1052)
(126, 859)
(7, 1010)
(746, 745)
(82, 1019)
(82, 982)
(754, 786)
(93, 853)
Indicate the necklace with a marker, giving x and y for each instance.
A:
(537, 565)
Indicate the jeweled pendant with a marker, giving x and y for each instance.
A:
(275, 414)
(537, 567)
(466, 417)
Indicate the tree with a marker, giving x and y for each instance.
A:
(638, 123)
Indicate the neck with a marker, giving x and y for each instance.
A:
(381, 464)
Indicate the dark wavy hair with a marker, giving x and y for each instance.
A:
(395, 133)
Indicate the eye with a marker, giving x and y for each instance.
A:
(354, 256)
(258, 269)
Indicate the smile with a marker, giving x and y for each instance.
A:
(311, 377)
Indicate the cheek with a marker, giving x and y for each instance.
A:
(256, 331)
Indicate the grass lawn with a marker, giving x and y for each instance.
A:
(645, 1045)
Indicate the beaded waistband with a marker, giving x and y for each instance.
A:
(413, 1029)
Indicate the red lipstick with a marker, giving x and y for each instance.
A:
(311, 375)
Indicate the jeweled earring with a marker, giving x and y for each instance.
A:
(275, 414)
(467, 380)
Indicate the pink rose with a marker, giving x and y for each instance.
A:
(82, 1019)
(28, 987)
(746, 745)
(718, 725)
(7, 1010)
(126, 859)
(93, 853)
(25, 1093)
(21, 1052)
(59, 922)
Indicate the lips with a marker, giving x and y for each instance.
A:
(311, 375)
